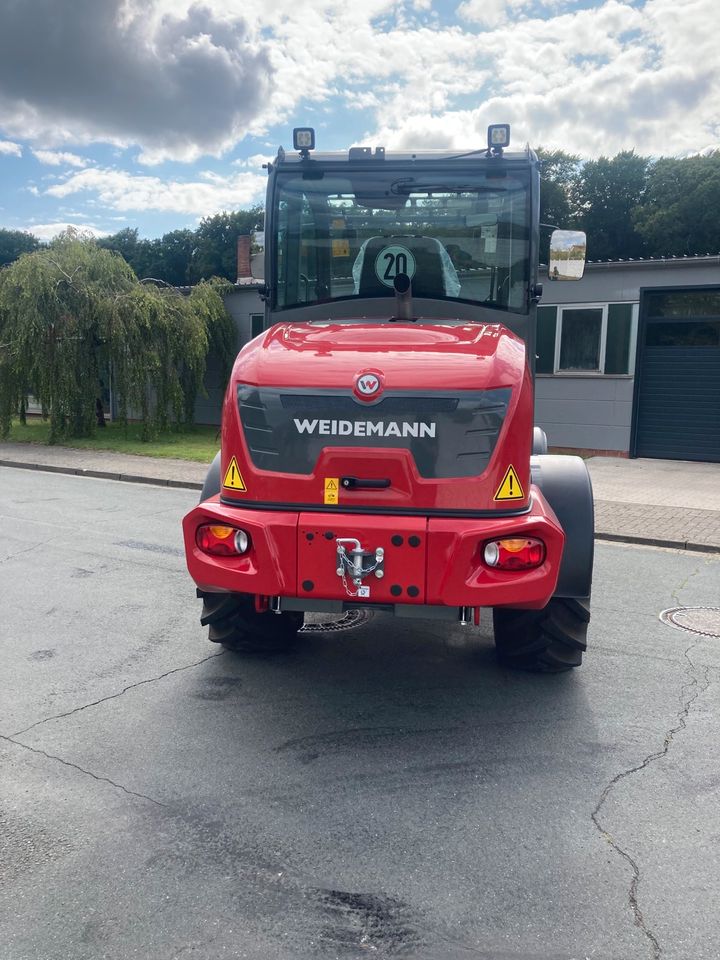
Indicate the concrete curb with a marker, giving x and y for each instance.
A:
(103, 475)
(190, 485)
(657, 542)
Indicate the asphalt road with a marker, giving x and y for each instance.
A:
(385, 791)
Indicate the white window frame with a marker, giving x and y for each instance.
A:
(633, 338)
(562, 307)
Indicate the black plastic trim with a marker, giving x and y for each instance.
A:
(366, 483)
(468, 423)
(539, 444)
(211, 486)
(383, 511)
(565, 484)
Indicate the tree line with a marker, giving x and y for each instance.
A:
(633, 207)
(179, 258)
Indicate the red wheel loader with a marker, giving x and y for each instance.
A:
(378, 447)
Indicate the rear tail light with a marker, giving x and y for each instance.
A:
(514, 553)
(222, 540)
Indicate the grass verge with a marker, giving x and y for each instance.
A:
(199, 444)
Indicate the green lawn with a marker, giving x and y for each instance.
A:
(196, 443)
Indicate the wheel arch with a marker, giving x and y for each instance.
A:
(565, 483)
(540, 443)
(211, 486)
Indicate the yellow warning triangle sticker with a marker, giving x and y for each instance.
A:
(510, 488)
(233, 477)
(332, 485)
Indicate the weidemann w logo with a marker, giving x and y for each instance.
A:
(365, 428)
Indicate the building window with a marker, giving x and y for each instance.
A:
(683, 333)
(257, 320)
(620, 338)
(683, 303)
(580, 339)
(546, 333)
(587, 339)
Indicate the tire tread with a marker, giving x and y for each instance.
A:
(551, 640)
(232, 621)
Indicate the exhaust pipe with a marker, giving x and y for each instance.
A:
(465, 616)
(403, 297)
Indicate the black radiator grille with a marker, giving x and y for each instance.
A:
(448, 435)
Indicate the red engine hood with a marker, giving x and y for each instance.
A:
(280, 459)
(409, 355)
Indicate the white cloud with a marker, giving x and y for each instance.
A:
(255, 162)
(488, 13)
(592, 82)
(616, 74)
(120, 190)
(127, 73)
(47, 231)
(56, 158)
(10, 149)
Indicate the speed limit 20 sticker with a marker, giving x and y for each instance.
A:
(393, 260)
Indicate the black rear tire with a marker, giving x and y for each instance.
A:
(234, 622)
(550, 640)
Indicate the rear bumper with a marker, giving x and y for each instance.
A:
(428, 561)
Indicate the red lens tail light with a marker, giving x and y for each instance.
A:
(514, 553)
(222, 540)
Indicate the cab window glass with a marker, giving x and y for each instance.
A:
(456, 237)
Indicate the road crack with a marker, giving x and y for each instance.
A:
(88, 773)
(114, 696)
(675, 595)
(20, 553)
(696, 685)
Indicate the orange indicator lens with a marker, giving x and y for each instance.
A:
(222, 533)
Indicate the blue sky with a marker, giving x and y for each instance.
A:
(155, 113)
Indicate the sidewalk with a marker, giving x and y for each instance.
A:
(672, 503)
(668, 503)
(104, 464)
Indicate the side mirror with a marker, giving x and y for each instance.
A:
(567, 255)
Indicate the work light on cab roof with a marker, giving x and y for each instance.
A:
(498, 137)
(304, 140)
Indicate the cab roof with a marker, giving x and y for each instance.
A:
(378, 156)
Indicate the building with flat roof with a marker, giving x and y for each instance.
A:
(628, 359)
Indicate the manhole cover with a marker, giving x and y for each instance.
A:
(329, 623)
(703, 620)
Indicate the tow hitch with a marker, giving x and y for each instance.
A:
(355, 562)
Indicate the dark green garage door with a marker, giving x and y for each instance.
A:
(677, 415)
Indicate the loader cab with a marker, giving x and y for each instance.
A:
(462, 227)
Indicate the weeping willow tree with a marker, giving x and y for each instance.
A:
(71, 313)
(207, 303)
